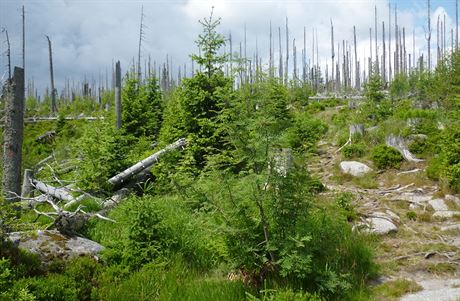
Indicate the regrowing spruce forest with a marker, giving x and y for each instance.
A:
(273, 175)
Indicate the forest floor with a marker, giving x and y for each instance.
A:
(425, 248)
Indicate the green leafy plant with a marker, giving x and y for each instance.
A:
(386, 157)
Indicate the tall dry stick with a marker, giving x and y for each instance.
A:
(53, 90)
(118, 95)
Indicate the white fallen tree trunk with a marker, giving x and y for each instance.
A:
(58, 193)
(397, 142)
(146, 163)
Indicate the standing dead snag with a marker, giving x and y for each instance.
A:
(118, 94)
(53, 90)
(146, 163)
(13, 135)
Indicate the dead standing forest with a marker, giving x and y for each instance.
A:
(237, 176)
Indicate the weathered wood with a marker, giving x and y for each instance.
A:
(53, 90)
(118, 95)
(146, 163)
(356, 129)
(397, 142)
(13, 135)
(46, 136)
(58, 193)
(27, 187)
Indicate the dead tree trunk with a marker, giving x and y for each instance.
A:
(118, 94)
(389, 43)
(286, 68)
(280, 66)
(8, 53)
(53, 90)
(13, 135)
(27, 183)
(384, 71)
(333, 53)
(58, 193)
(146, 163)
(428, 34)
(23, 39)
(456, 25)
(357, 81)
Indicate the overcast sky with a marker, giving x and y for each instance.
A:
(88, 34)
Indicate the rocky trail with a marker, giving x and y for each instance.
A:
(418, 226)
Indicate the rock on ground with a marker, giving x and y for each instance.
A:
(354, 168)
(436, 289)
(50, 245)
(379, 225)
(438, 205)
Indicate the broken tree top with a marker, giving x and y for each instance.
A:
(146, 163)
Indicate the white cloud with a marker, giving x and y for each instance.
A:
(88, 35)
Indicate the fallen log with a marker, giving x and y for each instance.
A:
(146, 163)
(55, 192)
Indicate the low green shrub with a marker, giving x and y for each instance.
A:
(386, 157)
(354, 150)
(344, 202)
(283, 295)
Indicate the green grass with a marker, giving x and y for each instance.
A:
(394, 289)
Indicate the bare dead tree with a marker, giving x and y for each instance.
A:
(294, 55)
(280, 66)
(438, 49)
(23, 39)
(8, 52)
(428, 33)
(118, 95)
(357, 81)
(231, 55)
(141, 38)
(384, 71)
(53, 90)
(13, 135)
(304, 56)
(376, 42)
(390, 71)
(286, 67)
(270, 64)
(396, 56)
(333, 52)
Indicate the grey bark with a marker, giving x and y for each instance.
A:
(286, 68)
(27, 187)
(13, 135)
(146, 163)
(118, 95)
(333, 52)
(53, 90)
(8, 53)
(389, 42)
(280, 66)
(428, 34)
(23, 39)
(397, 142)
(384, 71)
(55, 192)
(141, 34)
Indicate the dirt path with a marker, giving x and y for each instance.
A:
(424, 245)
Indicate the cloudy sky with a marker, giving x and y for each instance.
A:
(88, 34)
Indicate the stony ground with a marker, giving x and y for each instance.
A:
(418, 227)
